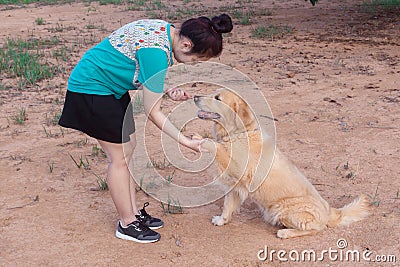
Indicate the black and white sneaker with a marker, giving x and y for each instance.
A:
(149, 221)
(138, 232)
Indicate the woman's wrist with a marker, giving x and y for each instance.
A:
(183, 140)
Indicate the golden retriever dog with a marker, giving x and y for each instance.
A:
(285, 196)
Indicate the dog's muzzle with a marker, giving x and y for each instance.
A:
(206, 115)
(202, 114)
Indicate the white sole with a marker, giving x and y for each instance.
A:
(157, 227)
(127, 237)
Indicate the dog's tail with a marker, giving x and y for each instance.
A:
(355, 211)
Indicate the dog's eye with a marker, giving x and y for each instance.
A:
(217, 98)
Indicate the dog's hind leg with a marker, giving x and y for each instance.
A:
(299, 224)
(301, 220)
(231, 203)
(289, 233)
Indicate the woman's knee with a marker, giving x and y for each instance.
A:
(117, 154)
(129, 148)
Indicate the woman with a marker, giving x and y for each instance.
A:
(97, 99)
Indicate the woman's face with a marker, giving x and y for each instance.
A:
(188, 58)
(182, 49)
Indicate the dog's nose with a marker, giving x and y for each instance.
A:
(196, 98)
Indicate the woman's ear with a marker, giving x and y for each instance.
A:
(186, 44)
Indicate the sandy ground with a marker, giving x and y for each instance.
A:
(332, 83)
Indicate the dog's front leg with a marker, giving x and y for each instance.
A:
(231, 203)
(210, 145)
(222, 156)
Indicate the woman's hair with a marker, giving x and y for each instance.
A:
(206, 34)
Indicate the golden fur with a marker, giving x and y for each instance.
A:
(285, 197)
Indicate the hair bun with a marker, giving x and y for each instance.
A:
(222, 23)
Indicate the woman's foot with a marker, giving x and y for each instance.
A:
(138, 232)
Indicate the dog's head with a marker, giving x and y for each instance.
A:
(230, 112)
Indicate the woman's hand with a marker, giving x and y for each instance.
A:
(152, 108)
(194, 144)
(177, 94)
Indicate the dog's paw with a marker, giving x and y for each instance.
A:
(209, 145)
(282, 233)
(218, 220)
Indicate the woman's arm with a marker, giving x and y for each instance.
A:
(152, 104)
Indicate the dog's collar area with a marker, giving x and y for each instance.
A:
(239, 135)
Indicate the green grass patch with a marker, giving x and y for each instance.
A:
(172, 206)
(52, 118)
(271, 31)
(39, 21)
(137, 103)
(374, 5)
(162, 9)
(27, 2)
(20, 117)
(110, 2)
(25, 59)
(146, 5)
(244, 17)
(80, 162)
(101, 182)
(57, 2)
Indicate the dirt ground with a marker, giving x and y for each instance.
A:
(332, 84)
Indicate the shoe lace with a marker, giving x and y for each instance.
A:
(144, 216)
(143, 213)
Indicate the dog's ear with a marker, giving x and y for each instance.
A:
(243, 112)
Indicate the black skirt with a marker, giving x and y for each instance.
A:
(99, 116)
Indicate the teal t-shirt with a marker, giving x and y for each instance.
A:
(123, 61)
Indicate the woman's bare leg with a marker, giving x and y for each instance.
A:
(132, 182)
(119, 180)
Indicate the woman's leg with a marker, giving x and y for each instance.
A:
(132, 182)
(147, 219)
(119, 180)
